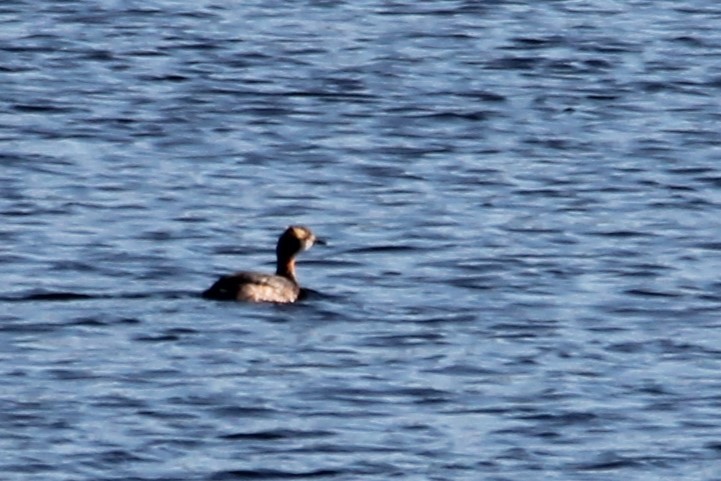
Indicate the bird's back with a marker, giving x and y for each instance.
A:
(253, 287)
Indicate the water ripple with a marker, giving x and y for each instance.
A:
(521, 208)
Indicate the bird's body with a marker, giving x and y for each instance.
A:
(253, 287)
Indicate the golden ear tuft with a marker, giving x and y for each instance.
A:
(300, 232)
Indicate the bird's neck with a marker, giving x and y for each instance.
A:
(286, 268)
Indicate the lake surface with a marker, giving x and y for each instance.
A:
(522, 204)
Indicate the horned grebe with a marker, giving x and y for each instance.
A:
(258, 287)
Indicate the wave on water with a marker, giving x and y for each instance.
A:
(51, 296)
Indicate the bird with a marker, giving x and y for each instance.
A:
(281, 287)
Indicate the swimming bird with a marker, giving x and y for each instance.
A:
(282, 287)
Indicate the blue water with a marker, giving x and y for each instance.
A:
(522, 206)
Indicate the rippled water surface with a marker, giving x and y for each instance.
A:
(521, 201)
